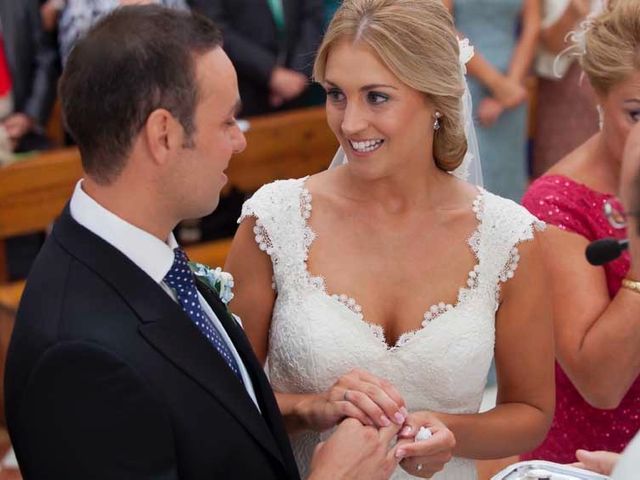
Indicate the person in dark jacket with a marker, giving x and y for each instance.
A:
(32, 62)
(272, 44)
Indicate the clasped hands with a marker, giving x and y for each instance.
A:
(507, 94)
(375, 402)
(285, 85)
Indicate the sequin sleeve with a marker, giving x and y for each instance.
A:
(558, 201)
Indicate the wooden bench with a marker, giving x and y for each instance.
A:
(34, 191)
(285, 145)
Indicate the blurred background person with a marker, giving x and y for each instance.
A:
(272, 44)
(330, 7)
(50, 13)
(565, 107)
(504, 34)
(596, 315)
(77, 16)
(29, 69)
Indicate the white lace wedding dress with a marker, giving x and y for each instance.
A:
(316, 337)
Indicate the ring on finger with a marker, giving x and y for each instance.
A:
(344, 397)
(419, 467)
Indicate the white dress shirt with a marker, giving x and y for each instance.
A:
(149, 253)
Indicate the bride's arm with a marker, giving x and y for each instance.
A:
(357, 394)
(525, 367)
(253, 295)
(524, 355)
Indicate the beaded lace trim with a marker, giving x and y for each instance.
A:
(299, 230)
(432, 312)
(508, 271)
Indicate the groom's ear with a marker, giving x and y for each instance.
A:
(163, 136)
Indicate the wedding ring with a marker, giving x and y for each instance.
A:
(419, 467)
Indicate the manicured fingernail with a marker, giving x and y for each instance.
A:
(400, 453)
(404, 411)
(399, 418)
(385, 420)
(406, 430)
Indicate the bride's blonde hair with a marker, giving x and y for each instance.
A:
(416, 40)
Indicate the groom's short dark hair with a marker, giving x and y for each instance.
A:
(135, 60)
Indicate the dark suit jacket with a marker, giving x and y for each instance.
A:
(32, 58)
(107, 378)
(252, 42)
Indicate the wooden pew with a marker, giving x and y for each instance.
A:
(34, 191)
(285, 145)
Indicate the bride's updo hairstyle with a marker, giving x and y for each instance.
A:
(416, 40)
(611, 50)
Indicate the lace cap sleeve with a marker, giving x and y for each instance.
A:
(505, 227)
(276, 210)
(258, 207)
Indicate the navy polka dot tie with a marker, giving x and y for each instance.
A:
(181, 280)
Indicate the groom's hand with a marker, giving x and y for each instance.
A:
(424, 458)
(355, 452)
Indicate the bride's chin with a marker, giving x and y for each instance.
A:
(366, 170)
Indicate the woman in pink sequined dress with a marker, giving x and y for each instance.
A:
(597, 323)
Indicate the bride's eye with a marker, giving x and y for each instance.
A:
(376, 98)
(334, 95)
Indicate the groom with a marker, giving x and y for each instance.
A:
(121, 364)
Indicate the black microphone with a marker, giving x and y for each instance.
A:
(605, 250)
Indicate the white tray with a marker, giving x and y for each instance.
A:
(518, 471)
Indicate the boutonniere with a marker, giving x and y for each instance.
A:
(217, 280)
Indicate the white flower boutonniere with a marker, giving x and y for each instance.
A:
(219, 281)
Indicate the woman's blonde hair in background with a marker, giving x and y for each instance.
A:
(611, 50)
(416, 40)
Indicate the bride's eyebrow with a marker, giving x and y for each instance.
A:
(330, 83)
(376, 86)
(372, 86)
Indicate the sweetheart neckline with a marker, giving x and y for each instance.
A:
(318, 282)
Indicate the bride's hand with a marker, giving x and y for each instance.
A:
(423, 458)
(360, 395)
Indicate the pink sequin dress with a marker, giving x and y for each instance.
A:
(574, 207)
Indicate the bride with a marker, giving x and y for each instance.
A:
(381, 289)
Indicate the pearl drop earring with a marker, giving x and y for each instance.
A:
(436, 123)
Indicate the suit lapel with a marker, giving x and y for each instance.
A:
(264, 393)
(166, 327)
(182, 344)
